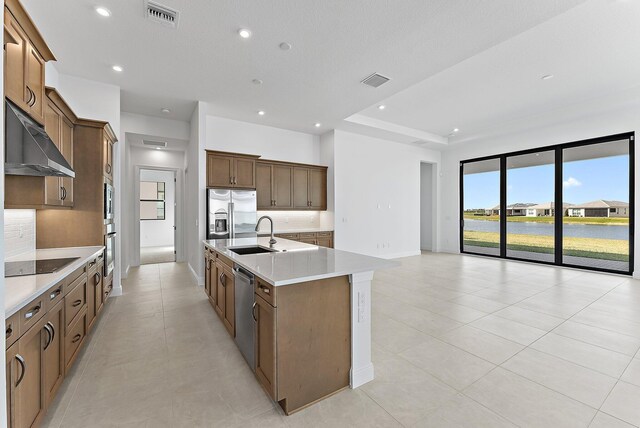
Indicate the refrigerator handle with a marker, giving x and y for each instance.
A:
(232, 226)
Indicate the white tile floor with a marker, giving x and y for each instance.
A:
(458, 341)
(153, 255)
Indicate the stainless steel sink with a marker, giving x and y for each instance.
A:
(251, 250)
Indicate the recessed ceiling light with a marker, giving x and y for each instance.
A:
(244, 33)
(381, 107)
(285, 46)
(456, 130)
(257, 82)
(547, 77)
(261, 112)
(117, 68)
(103, 11)
(157, 148)
(165, 110)
(318, 125)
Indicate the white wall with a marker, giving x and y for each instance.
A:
(270, 143)
(614, 122)
(427, 207)
(150, 125)
(195, 179)
(159, 233)
(377, 195)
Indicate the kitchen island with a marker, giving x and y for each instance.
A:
(308, 313)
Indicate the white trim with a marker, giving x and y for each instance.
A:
(361, 365)
(199, 279)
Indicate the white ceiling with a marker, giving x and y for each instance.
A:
(336, 43)
(592, 50)
(173, 144)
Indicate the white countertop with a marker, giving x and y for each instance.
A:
(297, 262)
(20, 290)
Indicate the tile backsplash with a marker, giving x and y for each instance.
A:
(19, 232)
(290, 220)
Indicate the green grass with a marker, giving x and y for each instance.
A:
(603, 249)
(616, 221)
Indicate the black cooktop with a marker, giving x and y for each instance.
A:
(35, 267)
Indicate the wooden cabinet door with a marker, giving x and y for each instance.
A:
(107, 145)
(66, 148)
(318, 189)
(91, 300)
(53, 352)
(264, 186)
(230, 303)
(266, 345)
(34, 80)
(14, 62)
(219, 171)
(213, 283)
(53, 185)
(30, 405)
(207, 273)
(244, 174)
(99, 287)
(220, 291)
(11, 368)
(300, 188)
(324, 241)
(282, 186)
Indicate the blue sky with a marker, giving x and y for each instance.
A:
(583, 181)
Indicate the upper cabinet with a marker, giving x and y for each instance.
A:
(25, 55)
(231, 170)
(290, 186)
(310, 188)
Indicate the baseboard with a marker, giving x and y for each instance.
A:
(361, 375)
(199, 279)
(116, 291)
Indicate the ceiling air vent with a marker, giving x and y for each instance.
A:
(162, 14)
(154, 143)
(375, 80)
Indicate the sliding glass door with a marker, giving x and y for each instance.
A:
(569, 204)
(481, 207)
(530, 208)
(595, 187)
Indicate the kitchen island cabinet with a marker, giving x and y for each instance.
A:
(312, 316)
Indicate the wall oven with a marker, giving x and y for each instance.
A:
(110, 249)
(108, 203)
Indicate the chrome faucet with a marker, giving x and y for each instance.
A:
(272, 240)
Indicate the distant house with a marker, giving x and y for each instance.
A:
(545, 209)
(517, 209)
(600, 208)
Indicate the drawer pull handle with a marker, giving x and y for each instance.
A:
(32, 312)
(53, 330)
(76, 303)
(76, 338)
(49, 336)
(9, 332)
(55, 294)
(97, 277)
(264, 289)
(108, 169)
(23, 365)
(222, 281)
(92, 264)
(253, 312)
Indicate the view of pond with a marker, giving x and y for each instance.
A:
(602, 231)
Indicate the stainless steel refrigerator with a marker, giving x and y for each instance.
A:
(231, 213)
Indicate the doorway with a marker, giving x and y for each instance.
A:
(157, 204)
(427, 206)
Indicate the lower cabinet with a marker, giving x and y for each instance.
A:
(28, 363)
(321, 239)
(54, 352)
(266, 345)
(207, 273)
(224, 302)
(45, 339)
(213, 283)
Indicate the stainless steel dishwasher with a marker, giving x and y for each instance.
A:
(245, 323)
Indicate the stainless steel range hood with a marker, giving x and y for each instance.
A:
(28, 148)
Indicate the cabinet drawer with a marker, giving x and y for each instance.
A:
(54, 295)
(74, 338)
(31, 313)
(75, 301)
(92, 265)
(266, 291)
(324, 234)
(12, 332)
(225, 260)
(308, 235)
(75, 275)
